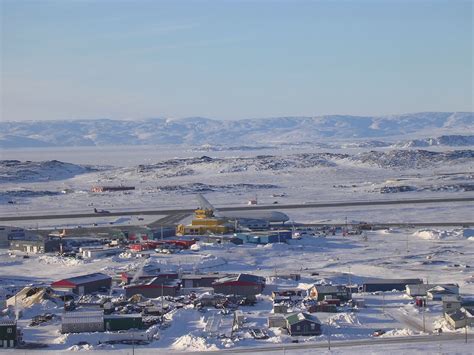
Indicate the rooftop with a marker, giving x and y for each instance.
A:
(241, 278)
(98, 276)
(298, 317)
(395, 281)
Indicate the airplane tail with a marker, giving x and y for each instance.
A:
(205, 204)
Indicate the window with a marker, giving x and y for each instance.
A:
(298, 327)
(9, 330)
(313, 326)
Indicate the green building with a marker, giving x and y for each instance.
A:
(8, 334)
(123, 322)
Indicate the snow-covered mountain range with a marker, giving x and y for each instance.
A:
(197, 131)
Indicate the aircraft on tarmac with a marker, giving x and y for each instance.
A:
(267, 216)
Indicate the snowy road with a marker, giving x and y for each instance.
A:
(291, 348)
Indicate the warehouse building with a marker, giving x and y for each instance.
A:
(84, 284)
(153, 288)
(9, 233)
(241, 284)
(35, 244)
(82, 322)
(199, 280)
(388, 284)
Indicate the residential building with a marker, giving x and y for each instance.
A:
(321, 292)
(8, 333)
(303, 324)
(438, 292)
(460, 318)
(418, 290)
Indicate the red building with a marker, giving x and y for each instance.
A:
(241, 284)
(84, 284)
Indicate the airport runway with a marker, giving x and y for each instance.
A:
(239, 208)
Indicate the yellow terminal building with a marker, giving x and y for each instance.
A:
(205, 222)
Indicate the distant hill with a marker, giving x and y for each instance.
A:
(49, 170)
(446, 140)
(196, 131)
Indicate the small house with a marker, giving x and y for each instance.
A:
(460, 318)
(438, 292)
(241, 284)
(8, 333)
(322, 292)
(303, 324)
(451, 303)
(84, 284)
(420, 290)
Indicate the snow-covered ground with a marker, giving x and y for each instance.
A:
(169, 179)
(401, 253)
(232, 178)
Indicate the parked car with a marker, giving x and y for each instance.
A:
(378, 333)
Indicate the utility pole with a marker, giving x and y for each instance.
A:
(162, 302)
(329, 336)
(465, 332)
(161, 233)
(133, 343)
(350, 281)
(423, 314)
(383, 303)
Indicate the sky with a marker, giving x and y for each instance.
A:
(118, 59)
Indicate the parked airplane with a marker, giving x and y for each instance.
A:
(268, 216)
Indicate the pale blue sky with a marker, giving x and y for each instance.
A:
(233, 59)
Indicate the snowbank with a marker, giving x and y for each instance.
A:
(57, 260)
(454, 234)
(192, 343)
(398, 333)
